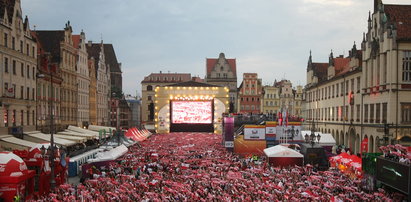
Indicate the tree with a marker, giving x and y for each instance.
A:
(116, 92)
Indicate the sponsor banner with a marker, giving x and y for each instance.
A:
(254, 133)
(229, 144)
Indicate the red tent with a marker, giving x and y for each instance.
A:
(15, 179)
(283, 156)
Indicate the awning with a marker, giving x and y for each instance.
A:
(102, 128)
(8, 141)
(72, 133)
(71, 137)
(110, 155)
(83, 131)
(41, 138)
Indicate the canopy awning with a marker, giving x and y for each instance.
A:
(71, 137)
(8, 141)
(83, 131)
(73, 133)
(41, 138)
(110, 155)
(281, 151)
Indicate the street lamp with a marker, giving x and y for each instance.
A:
(116, 104)
(52, 177)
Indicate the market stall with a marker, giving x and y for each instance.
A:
(283, 156)
(16, 181)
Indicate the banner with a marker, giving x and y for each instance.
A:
(256, 132)
(364, 145)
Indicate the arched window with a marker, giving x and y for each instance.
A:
(149, 88)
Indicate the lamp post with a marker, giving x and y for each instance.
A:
(116, 105)
(52, 177)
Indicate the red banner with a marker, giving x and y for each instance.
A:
(364, 145)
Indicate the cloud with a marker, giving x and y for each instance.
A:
(331, 2)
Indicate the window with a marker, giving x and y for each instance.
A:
(22, 69)
(342, 88)
(377, 112)
(406, 112)
(6, 117)
(22, 117)
(336, 92)
(6, 65)
(13, 43)
(13, 117)
(148, 97)
(21, 92)
(6, 40)
(28, 117)
(33, 118)
(28, 93)
(346, 87)
(32, 93)
(149, 88)
(21, 46)
(14, 67)
(358, 84)
(406, 66)
(33, 51)
(358, 113)
(384, 112)
(366, 113)
(28, 49)
(371, 113)
(352, 85)
(352, 113)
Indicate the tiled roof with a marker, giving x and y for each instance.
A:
(194, 83)
(9, 6)
(167, 78)
(320, 70)
(341, 65)
(401, 16)
(76, 41)
(110, 57)
(211, 62)
(50, 42)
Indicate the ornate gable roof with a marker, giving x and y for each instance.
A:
(212, 62)
(50, 42)
(110, 57)
(401, 16)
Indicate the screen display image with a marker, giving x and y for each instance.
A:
(193, 112)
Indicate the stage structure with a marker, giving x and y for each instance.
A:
(190, 107)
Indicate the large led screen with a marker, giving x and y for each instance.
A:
(195, 112)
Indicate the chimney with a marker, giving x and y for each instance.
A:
(89, 43)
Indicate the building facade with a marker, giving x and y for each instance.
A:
(148, 86)
(271, 99)
(134, 104)
(250, 94)
(223, 72)
(83, 80)
(92, 91)
(386, 76)
(330, 88)
(18, 57)
(103, 83)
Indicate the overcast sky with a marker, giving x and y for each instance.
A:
(269, 37)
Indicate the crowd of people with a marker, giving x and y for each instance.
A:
(196, 167)
(397, 153)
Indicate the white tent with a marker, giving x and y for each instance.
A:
(327, 140)
(110, 155)
(281, 151)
